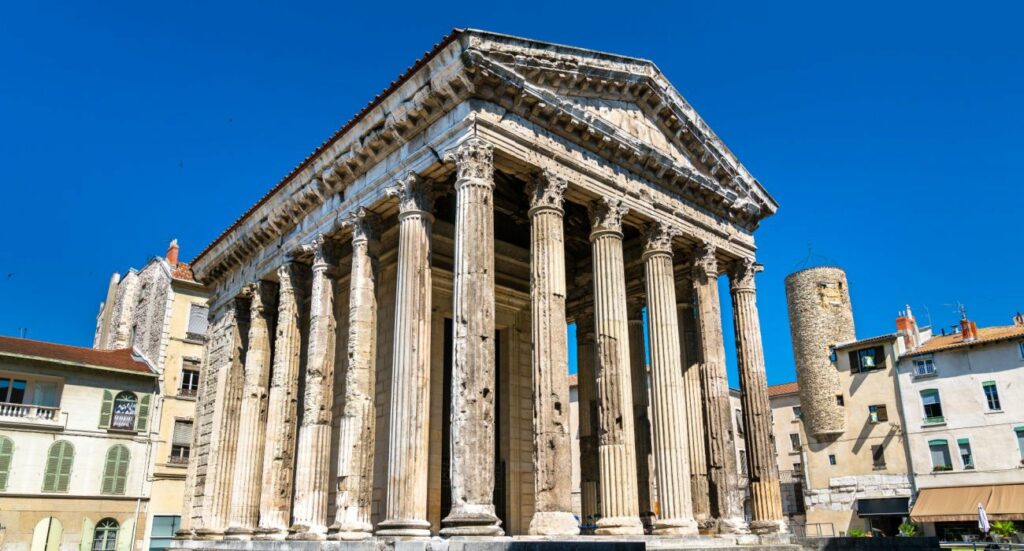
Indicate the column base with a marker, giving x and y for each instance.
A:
(305, 532)
(401, 527)
(270, 534)
(554, 523)
(769, 527)
(619, 526)
(732, 526)
(209, 534)
(471, 520)
(238, 533)
(675, 527)
(350, 531)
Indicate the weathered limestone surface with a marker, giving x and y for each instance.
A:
(409, 446)
(762, 471)
(641, 403)
(356, 440)
(721, 444)
(312, 469)
(669, 412)
(691, 357)
(248, 471)
(620, 514)
(472, 422)
(586, 360)
(282, 406)
(552, 463)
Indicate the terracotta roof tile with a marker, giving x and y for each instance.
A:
(573, 380)
(784, 388)
(183, 271)
(118, 360)
(956, 340)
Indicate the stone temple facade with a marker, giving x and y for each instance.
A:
(388, 328)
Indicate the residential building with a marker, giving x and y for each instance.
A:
(160, 312)
(76, 429)
(785, 402)
(964, 423)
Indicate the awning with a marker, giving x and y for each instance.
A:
(883, 506)
(1005, 502)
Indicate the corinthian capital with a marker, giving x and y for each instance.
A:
(474, 160)
(364, 224)
(658, 238)
(742, 274)
(414, 193)
(261, 295)
(704, 260)
(606, 215)
(547, 191)
(318, 248)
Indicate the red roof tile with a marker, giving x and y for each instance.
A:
(956, 340)
(183, 271)
(784, 388)
(118, 360)
(573, 380)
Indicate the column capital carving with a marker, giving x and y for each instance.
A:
(365, 225)
(318, 248)
(606, 216)
(658, 238)
(414, 193)
(704, 259)
(547, 192)
(262, 296)
(474, 160)
(741, 276)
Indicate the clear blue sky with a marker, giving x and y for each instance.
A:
(891, 135)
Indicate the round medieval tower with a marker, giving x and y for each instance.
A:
(820, 316)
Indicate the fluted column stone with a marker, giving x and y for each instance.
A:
(552, 460)
(762, 470)
(721, 443)
(641, 419)
(408, 450)
(690, 355)
(356, 440)
(586, 377)
(252, 421)
(282, 406)
(620, 514)
(312, 469)
(667, 408)
(472, 411)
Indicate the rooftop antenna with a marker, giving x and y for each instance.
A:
(814, 258)
(928, 313)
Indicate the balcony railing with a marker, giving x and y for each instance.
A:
(123, 421)
(29, 412)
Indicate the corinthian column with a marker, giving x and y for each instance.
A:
(691, 359)
(252, 422)
(472, 422)
(721, 445)
(356, 442)
(552, 452)
(409, 445)
(282, 410)
(620, 512)
(586, 377)
(668, 410)
(765, 495)
(641, 421)
(312, 469)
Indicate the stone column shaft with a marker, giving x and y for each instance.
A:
(691, 361)
(552, 458)
(586, 378)
(473, 369)
(252, 421)
(312, 468)
(721, 444)
(641, 402)
(668, 410)
(620, 512)
(765, 492)
(356, 441)
(409, 445)
(282, 407)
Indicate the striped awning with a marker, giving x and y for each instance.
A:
(960, 503)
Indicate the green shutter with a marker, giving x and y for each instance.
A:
(1018, 428)
(142, 417)
(124, 535)
(936, 442)
(64, 477)
(115, 471)
(963, 441)
(6, 456)
(106, 409)
(57, 477)
(121, 473)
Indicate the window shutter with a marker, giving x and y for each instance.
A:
(198, 318)
(124, 535)
(88, 532)
(58, 467)
(121, 471)
(854, 362)
(64, 476)
(182, 433)
(6, 456)
(142, 416)
(106, 409)
(52, 465)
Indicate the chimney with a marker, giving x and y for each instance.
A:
(172, 253)
(1018, 320)
(906, 326)
(968, 328)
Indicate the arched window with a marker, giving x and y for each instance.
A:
(125, 405)
(105, 536)
(6, 456)
(115, 472)
(58, 467)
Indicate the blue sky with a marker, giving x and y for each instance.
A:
(890, 133)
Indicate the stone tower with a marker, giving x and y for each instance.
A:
(820, 316)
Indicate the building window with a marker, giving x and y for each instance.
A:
(743, 462)
(878, 456)
(40, 398)
(831, 459)
(189, 379)
(878, 413)
(965, 453)
(181, 442)
(105, 536)
(932, 406)
(798, 469)
(198, 320)
(991, 395)
(125, 404)
(839, 400)
(57, 475)
(1020, 348)
(924, 367)
(12, 391)
(794, 441)
(124, 411)
(941, 460)
(797, 412)
(1020, 442)
(869, 359)
(164, 528)
(739, 422)
(6, 458)
(115, 471)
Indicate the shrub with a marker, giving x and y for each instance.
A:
(1004, 528)
(909, 529)
(857, 533)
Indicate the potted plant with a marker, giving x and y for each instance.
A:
(1003, 530)
(857, 533)
(909, 530)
